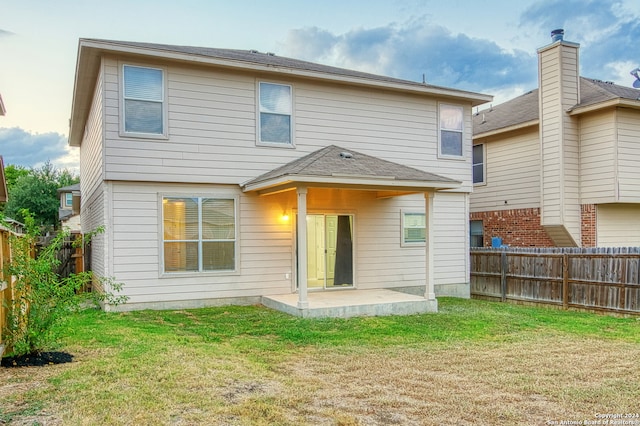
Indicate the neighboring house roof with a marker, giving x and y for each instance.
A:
(524, 111)
(3, 183)
(70, 188)
(334, 165)
(90, 51)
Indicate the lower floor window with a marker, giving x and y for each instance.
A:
(413, 228)
(199, 234)
(477, 233)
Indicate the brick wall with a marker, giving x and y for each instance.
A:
(516, 227)
(588, 225)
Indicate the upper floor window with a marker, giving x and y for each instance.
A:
(451, 130)
(143, 100)
(275, 107)
(478, 163)
(68, 199)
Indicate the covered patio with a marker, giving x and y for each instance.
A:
(342, 169)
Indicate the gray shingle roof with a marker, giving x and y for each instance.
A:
(524, 108)
(328, 162)
(268, 59)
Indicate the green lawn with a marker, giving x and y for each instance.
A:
(474, 362)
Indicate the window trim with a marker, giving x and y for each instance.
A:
(471, 234)
(403, 243)
(484, 164)
(165, 121)
(440, 129)
(259, 141)
(200, 272)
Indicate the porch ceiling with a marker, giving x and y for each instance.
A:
(336, 167)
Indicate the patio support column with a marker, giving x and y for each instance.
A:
(303, 303)
(430, 293)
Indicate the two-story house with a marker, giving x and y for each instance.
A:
(229, 176)
(558, 166)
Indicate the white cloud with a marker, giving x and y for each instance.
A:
(22, 148)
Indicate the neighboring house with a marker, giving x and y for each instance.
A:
(223, 176)
(558, 166)
(69, 210)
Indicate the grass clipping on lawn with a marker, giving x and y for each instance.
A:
(473, 363)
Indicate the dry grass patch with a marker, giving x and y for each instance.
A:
(473, 363)
(527, 382)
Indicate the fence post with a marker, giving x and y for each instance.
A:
(565, 281)
(503, 275)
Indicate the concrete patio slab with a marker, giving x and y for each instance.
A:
(350, 303)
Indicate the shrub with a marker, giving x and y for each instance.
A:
(43, 300)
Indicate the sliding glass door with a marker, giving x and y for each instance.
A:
(329, 251)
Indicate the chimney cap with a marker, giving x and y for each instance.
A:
(557, 35)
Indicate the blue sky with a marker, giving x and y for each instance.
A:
(484, 46)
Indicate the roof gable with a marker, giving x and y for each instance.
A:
(342, 166)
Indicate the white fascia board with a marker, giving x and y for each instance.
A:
(350, 181)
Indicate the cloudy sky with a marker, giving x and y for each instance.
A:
(485, 46)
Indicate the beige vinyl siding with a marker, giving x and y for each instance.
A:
(91, 159)
(266, 244)
(628, 154)
(263, 253)
(618, 225)
(512, 173)
(560, 187)
(93, 215)
(93, 201)
(551, 133)
(451, 244)
(597, 157)
(212, 136)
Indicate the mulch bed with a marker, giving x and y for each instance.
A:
(37, 360)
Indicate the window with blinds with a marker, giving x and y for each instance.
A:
(478, 164)
(413, 228)
(199, 234)
(275, 107)
(451, 130)
(143, 100)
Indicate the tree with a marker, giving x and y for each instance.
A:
(37, 191)
(13, 173)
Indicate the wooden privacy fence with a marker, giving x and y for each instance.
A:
(602, 279)
(6, 283)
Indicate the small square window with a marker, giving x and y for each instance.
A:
(275, 106)
(413, 228)
(451, 130)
